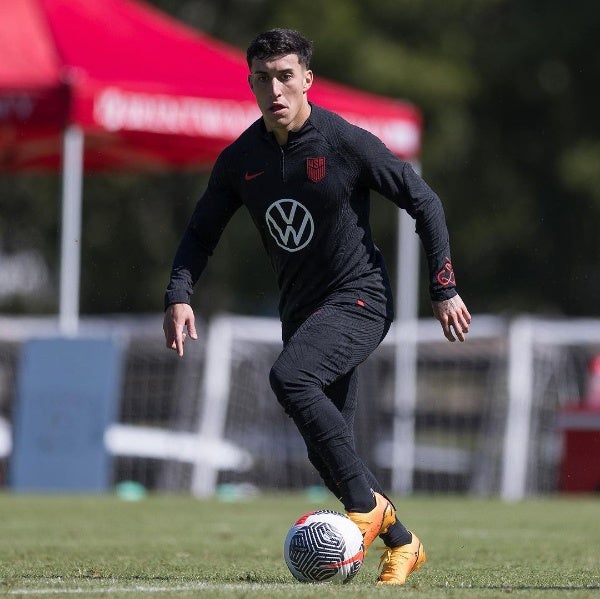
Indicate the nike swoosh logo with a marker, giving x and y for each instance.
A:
(249, 176)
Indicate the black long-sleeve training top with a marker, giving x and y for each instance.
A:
(309, 200)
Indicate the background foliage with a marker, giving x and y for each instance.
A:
(508, 89)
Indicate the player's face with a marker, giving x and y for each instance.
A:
(280, 85)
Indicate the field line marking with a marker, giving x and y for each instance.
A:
(146, 589)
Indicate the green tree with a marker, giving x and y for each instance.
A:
(508, 91)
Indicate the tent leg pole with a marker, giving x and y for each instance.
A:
(405, 388)
(70, 257)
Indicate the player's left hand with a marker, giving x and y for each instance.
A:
(453, 315)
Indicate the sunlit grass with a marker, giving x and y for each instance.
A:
(178, 546)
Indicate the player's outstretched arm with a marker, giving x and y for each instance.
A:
(178, 317)
(452, 314)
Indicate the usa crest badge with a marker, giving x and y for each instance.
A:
(315, 168)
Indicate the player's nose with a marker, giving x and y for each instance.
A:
(275, 87)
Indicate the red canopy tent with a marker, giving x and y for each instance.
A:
(117, 84)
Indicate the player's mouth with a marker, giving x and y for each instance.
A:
(277, 109)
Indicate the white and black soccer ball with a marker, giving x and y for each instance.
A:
(324, 546)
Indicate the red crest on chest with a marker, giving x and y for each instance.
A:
(315, 168)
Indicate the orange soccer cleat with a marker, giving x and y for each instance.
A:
(398, 563)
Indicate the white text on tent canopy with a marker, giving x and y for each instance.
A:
(115, 109)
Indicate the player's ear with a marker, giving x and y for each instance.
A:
(250, 81)
(308, 80)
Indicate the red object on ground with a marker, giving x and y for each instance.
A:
(580, 466)
(147, 91)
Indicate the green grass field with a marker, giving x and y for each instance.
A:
(172, 546)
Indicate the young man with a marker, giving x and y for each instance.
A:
(305, 174)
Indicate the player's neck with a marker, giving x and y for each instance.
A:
(282, 133)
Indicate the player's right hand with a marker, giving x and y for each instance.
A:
(178, 319)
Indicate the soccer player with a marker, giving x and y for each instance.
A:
(304, 174)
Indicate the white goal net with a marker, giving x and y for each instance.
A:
(457, 387)
(485, 419)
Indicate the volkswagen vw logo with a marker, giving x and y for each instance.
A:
(290, 224)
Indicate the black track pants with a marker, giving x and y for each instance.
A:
(315, 380)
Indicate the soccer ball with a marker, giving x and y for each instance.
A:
(324, 546)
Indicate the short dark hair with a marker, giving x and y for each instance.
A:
(279, 42)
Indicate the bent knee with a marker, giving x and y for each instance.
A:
(283, 378)
(291, 385)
